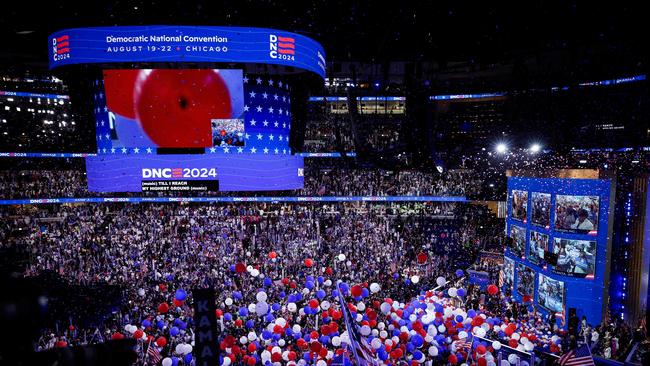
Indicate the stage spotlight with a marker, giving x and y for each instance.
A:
(535, 148)
(501, 148)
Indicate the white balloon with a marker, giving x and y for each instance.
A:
(374, 287)
(328, 283)
(179, 348)
(168, 361)
(441, 281)
(325, 305)
(281, 322)
(376, 343)
(512, 358)
(292, 307)
(415, 279)
(365, 330)
(255, 272)
(281, 342)
(261, 296)
(383, 334)
(441, 328)
(529, 346)
(433, 351)
(496, 345)
(385, 307)
(515, 336)
(505, 363)
(452, 291)
(243, 340)
(252, 336)
(462, 334)
(228, 301)
(141, 292)
(296, 328)
(341, 257)
(336, 341)
(361, 306)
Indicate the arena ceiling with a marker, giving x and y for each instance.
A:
(375, 31)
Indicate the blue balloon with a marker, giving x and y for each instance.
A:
(364, 292)
(383, 355)
(174, 331)
(459, 272)
(471, 313)
(182, 325)
(266, 334)
(320, 294)
(227, 316)
(169, 277)
(321, 279)
(174, 361)
(461, 292)
(335, 294)
(188, 358)
(309, 285)
(237, 295)
(410, 347)
(407, 281)
(146, 323)
(243, 311)
(268, 282)
(160, 324)
(269, 317)
(395, 276)
(232, 268)
(180, 295)
(291, 298)
(282, 294)
(310, 278)
(459, 318)
(276, 306)
(417, 355)
(417, 340)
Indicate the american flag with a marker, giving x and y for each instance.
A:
(580, 356)
(464, 343)
(154, 355)
(360, 347)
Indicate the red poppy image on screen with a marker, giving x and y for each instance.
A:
(175, 107)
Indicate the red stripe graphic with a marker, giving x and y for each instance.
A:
(286, 45)
(62, 50)
(63, 44)
(286, 39)
(62, 38)
(286, 52)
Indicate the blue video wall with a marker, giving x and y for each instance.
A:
(558, 246)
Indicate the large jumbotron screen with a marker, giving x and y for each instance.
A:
(237, 127)
(559, 244)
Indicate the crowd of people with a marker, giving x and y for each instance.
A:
(319, 181)
(278, 265)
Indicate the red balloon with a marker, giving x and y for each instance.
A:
(119, 86)
(313, 303)
(313, 335)
(61, 344)
(177, 303)
(163, 308)
(323, 352)
(396, 353)
(251, 361)
(329, 270)
(513, 343)
(422, 257)
(452, 359)
(273, 255)
(309, 262)
(292, 355)
(251, 347)
(240, 267)
(492, 290)
(277, 329)
(138, 334)
(175, 107)
(117, 335)
(482, 361)
(315, 346)
(161, 341)
(481, 349)
(219, 313)
(276, 357)
(356, 290)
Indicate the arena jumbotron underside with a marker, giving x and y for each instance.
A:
(324, 183)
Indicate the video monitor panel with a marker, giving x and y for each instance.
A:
(577, 214)
(508, 272)
(575, 257)
(541, 209)
(537, 245)
(551, 293)
(518, 243)
(519, 204)
(174, 108)
(525, 280)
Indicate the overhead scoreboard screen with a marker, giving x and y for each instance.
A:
(237, 125)
(558, 244)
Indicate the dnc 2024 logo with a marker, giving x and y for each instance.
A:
(61, 47)
(282, 48)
